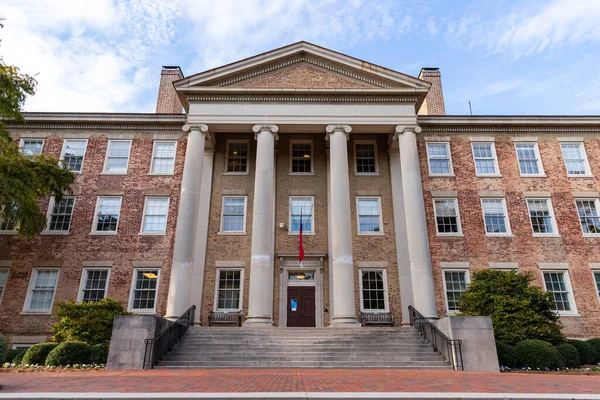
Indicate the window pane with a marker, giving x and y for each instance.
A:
(155, 216)
(144, 294)
(60, 217)
(588, 216)
(456, 286)
(539, 214)
(495, 220)
(237, 157)
(373, 290)
(229, 289)
(597, 278)
(301, 207)
(73, 155)
(574, 158)
(32, 147)
(365, 158)
(43, 289)
(95, 285)
(446, 216)
(118, 156)
(555, 283)
(164, 157)
(528, 162)
(439, 159)
(108, 213)
(233, 214)
(301, 157)
(3, 278)
(368, 215)
(484, 158)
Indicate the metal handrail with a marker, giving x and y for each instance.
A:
(159, 346)
(450, 349)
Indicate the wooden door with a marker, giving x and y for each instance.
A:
(301, 306)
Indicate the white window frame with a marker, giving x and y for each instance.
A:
(312, 157)
(27, 139)
(104, 171)
(32, 279)
(573, 312)
(152, 233)
(11, 231)
(595, 270)
(51, 205)
(496, 166)
(437, 232)
(216, 294)
(450, 166)
(385, 290)
(233, 233)
(132, 290)
(374, 143)
(597, 204)
(84, 275)
(508, 232)
(154, 155)
(7, 270)
(358, 231)
(454, 267)
(64, 148)
(95, 219)
(586, 163)
(555, 232)
(536, 150)
(312, 221)
(247, 172)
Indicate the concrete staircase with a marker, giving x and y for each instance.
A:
(224, 347)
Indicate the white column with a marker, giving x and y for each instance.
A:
(260, 302)
(185, 233)
(416, 223)
(344, 312)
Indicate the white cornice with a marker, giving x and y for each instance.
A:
(100, 121)
(525, 124)
(301, 98)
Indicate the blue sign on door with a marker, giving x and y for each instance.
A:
(294, 304)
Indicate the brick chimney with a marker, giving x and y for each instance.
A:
(168, 101)
(434, 101)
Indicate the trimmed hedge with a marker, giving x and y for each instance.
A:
(69, 353)
(3, 349)
(587, 354)
(537, 354)
(507, 354)
(37, 353)
(12, 353)
(596, 345)
(18, 359)
(99, 354)
(570, 355)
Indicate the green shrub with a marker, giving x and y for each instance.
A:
(596, 345)
(518, 310)
(99, 353)
(18, 359)
(86, 322)
(12, 353)
(569, 354)
(37, 353)
(537, 354)
(586, 351)
(69, 353)
(3, 349)
(507, 355)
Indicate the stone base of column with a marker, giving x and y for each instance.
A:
(344, 322)
(258, 322)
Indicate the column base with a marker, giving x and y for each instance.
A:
(258, 322)
(345, 322)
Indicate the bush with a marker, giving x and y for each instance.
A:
(3, 349)
(595, 343)
(569, 354)
(587, 355)
(99, 353)
(507, 356)
(37, 353)
(518, 310)
(537, 354)
(18, 359)
(69, 353)
(86, 322)
(12, 353)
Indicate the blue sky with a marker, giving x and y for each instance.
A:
(531, 57)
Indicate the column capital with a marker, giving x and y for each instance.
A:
(203, 128)
(271, 128)
(406, 128)
(346, 129)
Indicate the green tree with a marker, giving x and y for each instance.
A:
(24, 179)
(518, 309)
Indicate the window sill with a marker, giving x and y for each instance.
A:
(303, 233)
(301, 173)
(533, 176)
(450, 236)
(228, 310)
(568, 315)
(9, 232)
(114, 173)
(236, 173)
(370, 233)
(591, 235)
(231, 233)
(367, 174)
(144, 312)
(36, 312)
(386, 311)
(55, 233)
(104, 233)
(586, 176)
(541, 235)
(442, 176)
(489, 176)
(500, 235)
(161, 173)
(152, 233)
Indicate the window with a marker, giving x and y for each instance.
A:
(233, 216)
(229, 290)
(486, 163)
(365, 153)
(237, 156)
(596, 279)
(154, 220)
(301, 157)
(495, 217)
(575, 159)
(588, 216)
(107, 215)
(3, 279)
(447, 219)
(528, 155)
(455, 284)
(438, 158)
(541, 216)
(144, 289)
(31, 147)
(8, 225)
(72, 155)
(117, 156)
(94, 284)
(373, 290)
(163, 157)
(42, 288)
(368, 210)
(60, 214)
(558, 283)
(301, 206)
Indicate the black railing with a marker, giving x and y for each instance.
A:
(159, 346)
(450, 349)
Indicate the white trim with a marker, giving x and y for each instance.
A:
(358, 231)
(12, 231)
(243, 231)
(548, 201)
(32, 279)
(508, 232)
(104, 171)
(32, 139)
(385, 289)
(95, 218)
(7, 270)
(83, 280)
(497, 173)
(312, 216)
(586, 165)
(132, 289)
(573, 312)
(594, 272)
(596, 204)
(541, 173)
(437, 231)
(312, 157)
(374, 143)
(459, 267)
(51, 205)
(504, 266)
(216, 294)
(151, 233)
(154, 155)
(227, 142)
(449, 152)
(64, 147)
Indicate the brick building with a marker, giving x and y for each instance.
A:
(399, 203)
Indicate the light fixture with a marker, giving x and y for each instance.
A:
(300, 275)
(306, 156)
(234, 153)
(150, 275)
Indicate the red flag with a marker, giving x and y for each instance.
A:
(300, 247)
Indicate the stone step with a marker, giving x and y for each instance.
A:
(305, 364)
(273, 342)
(287, 352)
(319, 358)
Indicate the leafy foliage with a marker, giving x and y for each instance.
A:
(13, 353)
(569, 354)
(586, 351)
(518, 310)
(595, 343)
(3, 348)
(18, 358)
(538, 354)
(99, 354)
(37, 353)
(507, 354)
(86, 322)
(69, 353)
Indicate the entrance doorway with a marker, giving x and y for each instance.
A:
(301, 306)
